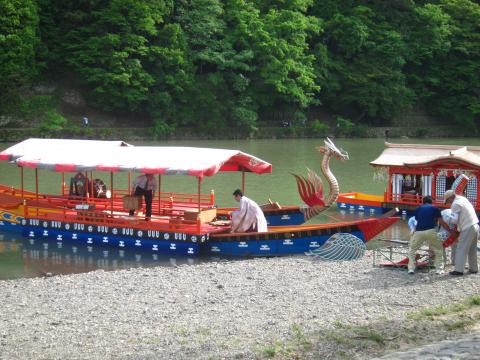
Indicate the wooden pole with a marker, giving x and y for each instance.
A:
(22, 184)
(159, 194)
(36, 188)
(111, 197)
(199, 187)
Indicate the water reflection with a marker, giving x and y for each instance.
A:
(21, 258)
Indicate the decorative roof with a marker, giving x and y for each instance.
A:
(64, 155)
(415, 155)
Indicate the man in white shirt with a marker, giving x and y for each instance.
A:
(145, 185)
(467, 225)
(249, 218)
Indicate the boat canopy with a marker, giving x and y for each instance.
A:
(91, 155)
(414, 155)
(33, 146)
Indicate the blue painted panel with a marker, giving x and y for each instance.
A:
(374, 210)
(10, 227)
(81, 238)
(269, 247)
(287, 219)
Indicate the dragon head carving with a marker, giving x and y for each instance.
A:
(331, 148)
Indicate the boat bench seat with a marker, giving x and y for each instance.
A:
(9, 201)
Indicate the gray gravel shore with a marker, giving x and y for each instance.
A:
(216, 310)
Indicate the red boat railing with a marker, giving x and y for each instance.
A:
(416, 200)
(104, 218)
(176, 211)
(170, 203)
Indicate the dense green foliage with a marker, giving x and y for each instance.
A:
(18, 40)
(214, 65)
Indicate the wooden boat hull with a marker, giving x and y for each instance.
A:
(285, 240)
(362, 203)
(285, 216)
(280, 240)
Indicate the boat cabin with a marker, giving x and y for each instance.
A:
(417, 170)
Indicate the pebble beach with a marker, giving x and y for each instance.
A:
(215, 310)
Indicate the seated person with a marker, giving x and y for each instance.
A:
(99, 189)
(79, 185)
(249, 218)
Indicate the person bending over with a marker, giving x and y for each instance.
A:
(249, 217)
(427, 217)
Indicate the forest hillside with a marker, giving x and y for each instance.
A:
(234, 66)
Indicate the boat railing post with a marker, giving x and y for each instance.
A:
(198, 195)
(212, 198)
(111, 197)
(25, 209)
(36, 189)
(22, 183)
(159, 194)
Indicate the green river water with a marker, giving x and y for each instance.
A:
(20, 258)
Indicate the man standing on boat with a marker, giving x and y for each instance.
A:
(145, 185)
(427, 217)
(249, 218)
(467, 225)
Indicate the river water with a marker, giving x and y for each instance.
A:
(21, 257)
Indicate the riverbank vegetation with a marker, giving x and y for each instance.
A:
(344, 341)
(232, 66)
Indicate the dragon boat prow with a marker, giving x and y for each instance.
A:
(310, 188)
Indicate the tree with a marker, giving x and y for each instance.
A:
(364, 66)
(108, 44)
(454, 78)
(19, 40)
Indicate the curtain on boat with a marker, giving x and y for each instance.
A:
(426, 185)
(397, 182)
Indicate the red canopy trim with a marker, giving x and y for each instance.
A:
(107, 168)
(65, 168)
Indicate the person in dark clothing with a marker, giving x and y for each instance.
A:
(428, 217)
(145, 185)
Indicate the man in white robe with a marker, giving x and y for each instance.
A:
(249, 218)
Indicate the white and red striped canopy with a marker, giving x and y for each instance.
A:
(32, 147)
(92, 155)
